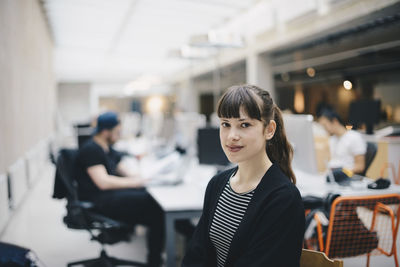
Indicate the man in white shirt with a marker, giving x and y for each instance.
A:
(347, 147)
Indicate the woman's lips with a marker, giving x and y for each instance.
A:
(234, 148)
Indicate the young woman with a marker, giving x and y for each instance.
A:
(253, 214)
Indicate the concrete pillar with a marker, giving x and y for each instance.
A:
(259, 72)
(188, 97)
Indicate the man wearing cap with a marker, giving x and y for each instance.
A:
(114, 191)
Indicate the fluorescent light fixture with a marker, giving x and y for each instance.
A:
(190, 52)
(143, 83)
(217, 39)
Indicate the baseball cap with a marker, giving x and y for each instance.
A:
(107, 121)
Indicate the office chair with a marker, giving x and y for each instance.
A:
(372, 148)
(312, 258)
(361, 225)
(81, 215)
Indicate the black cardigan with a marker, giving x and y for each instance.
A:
(270, 234)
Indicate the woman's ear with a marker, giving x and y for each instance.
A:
(270, 130)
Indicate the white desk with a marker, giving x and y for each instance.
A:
(316, 185)
(183, 201)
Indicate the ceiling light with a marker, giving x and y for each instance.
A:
(142, 83)
(285, 77)
(310, 72)
(347, 85)
(155, 104)
(299, 99)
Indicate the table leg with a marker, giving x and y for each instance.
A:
(170, 240)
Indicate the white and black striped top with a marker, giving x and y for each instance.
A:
(229, 212)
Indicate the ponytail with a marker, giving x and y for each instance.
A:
(279, 150)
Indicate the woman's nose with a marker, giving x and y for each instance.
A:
(233, 135)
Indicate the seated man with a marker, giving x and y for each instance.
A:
(114, 190)
(347, 147)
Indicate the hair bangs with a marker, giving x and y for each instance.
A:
(238, 97)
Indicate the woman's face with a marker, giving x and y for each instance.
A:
(243, 138)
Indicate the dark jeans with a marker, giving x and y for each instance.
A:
(136, 206)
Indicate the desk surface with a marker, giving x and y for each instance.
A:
(186, 196)
(316, 185)
(178, 198)
(190, 194)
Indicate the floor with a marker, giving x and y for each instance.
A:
(37, 224)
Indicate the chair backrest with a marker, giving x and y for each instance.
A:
(312, 258)
(369, 156)
(357, 228)
(80, 214)
(77, 215)
(66, 172)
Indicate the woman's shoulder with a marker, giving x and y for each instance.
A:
(276, 176)
(279, 182)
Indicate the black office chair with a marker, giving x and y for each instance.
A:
(372, 148)
(81, 215)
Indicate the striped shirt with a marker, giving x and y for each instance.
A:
(228, 214)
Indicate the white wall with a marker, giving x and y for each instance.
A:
(27, 82)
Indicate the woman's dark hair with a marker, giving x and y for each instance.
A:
(258, 104)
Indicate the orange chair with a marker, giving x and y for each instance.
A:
(361, 225)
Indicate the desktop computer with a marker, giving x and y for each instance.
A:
(365, 111)
(209, 148)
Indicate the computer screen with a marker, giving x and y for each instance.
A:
(300, 134)
(365, 111)
(209, 148)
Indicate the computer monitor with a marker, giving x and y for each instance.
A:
(300, 134)
(209, 148)
(365, 111)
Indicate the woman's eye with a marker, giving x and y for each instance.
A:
(224, 124)
(245, 125)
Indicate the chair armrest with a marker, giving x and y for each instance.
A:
(86, 205)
